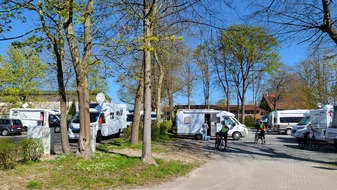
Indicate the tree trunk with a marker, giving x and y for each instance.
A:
(136, 113)
(148, 31)
(160, 83)
(81, 70)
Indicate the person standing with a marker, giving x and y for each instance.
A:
(204, 130)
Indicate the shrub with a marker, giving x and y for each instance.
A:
(127, 132)
(32, 149)
(165, 126)
(10, 153)
(155, 132)
(249, 121)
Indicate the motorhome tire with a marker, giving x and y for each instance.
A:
(236, 135)
(118, 134)
(99, 137)
(198, 137)
(288, 131)
(4, 132)
(57, 129)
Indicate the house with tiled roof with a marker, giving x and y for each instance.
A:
(271, 102)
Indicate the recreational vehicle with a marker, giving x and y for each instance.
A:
(32, 117)
(129, 116)
(302, 124)
(107, 118)
(189, 122)
(320, 120)
(331, 132)
(284, 120)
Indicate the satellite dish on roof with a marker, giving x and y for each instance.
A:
(100, 97)
(25, 105)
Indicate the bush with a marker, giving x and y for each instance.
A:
(249, 121)
(32, 149)
(10, 153)
(127, 132)
(165, 126)
(155, 132)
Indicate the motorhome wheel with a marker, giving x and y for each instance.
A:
(198, 137)
(57, 129)
(99, 137)
(236, 135)
(288, 131)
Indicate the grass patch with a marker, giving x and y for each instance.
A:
(106, 170)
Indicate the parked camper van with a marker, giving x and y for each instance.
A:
(284, 120)
(129, 116)
(32, 117)
(113, 117)
(189, 122)
(320, 120)
(302, 124)
(331, 132)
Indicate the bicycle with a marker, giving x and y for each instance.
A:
(258, 135)
(309, 140)
(220, 143)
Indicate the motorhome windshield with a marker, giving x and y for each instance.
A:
(93, 117)
(304, 121)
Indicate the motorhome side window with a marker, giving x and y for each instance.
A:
(112, 115)
(103, 117)
(119, 113)
(217, 120)
(187, 120)
(228, 121)
(290, 119)
(15, 113)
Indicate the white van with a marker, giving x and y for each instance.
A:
(320, 120)
(284, 120)
(34, 116)
(129, 116)
(302, 124)
(113, 120)
(189, 122)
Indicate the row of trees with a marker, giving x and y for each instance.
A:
(147, 42)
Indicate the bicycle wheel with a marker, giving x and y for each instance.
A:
(222, 145)
(301, 143)
(256, 139)
(314, 145)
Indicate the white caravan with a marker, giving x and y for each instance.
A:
(31, 117)
(284, 120)
(320, 120)
(108, 119)
(302, 124)
(189, 122)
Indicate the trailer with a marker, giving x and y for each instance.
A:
(188, 122)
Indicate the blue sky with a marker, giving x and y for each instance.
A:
(290, 55)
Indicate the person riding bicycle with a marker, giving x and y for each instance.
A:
(223, 133)
(263, 130)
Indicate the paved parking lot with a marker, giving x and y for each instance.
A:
(279, 165)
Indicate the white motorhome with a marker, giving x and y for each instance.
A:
(331, 132)
(189, 122)
(129, 116)
(302, 124)
(33, 116)
(111, 116)
(284, 120)
(320, 120)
